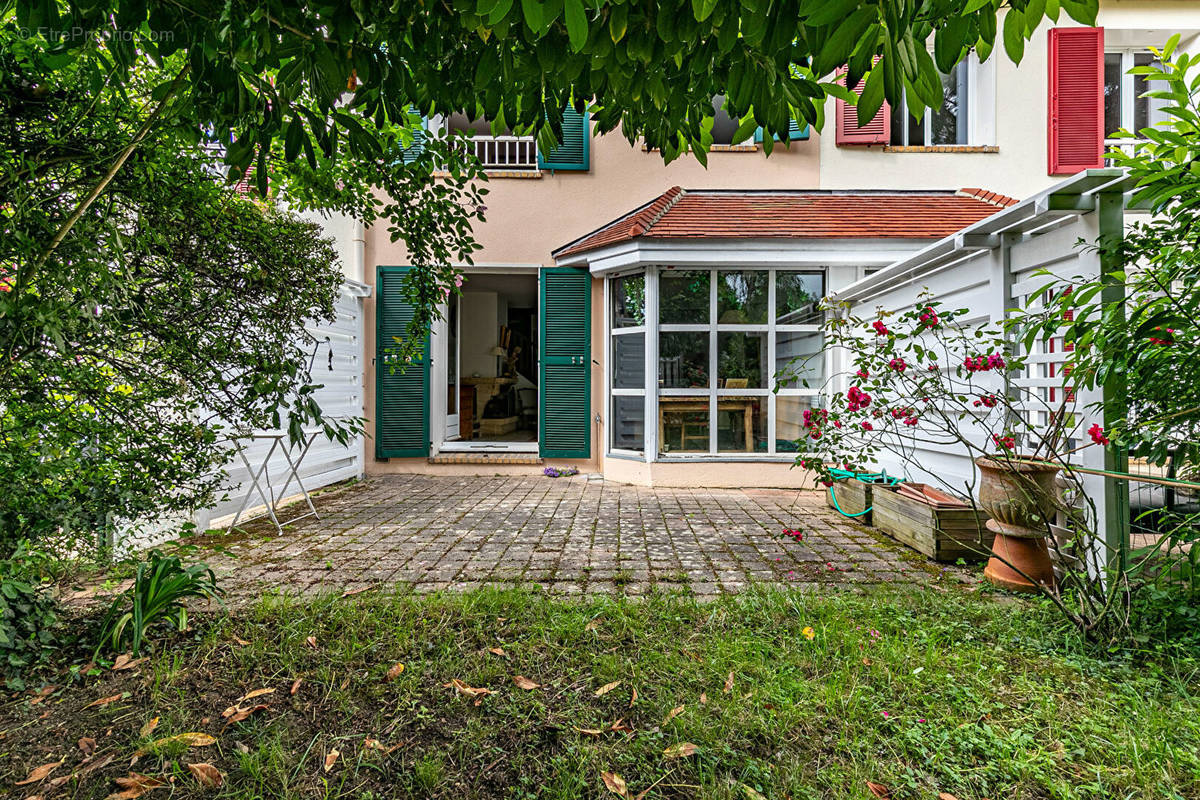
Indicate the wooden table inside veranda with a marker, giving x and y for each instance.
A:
(742, 404)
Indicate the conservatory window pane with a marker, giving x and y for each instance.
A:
(797, 295)
(629, 361)
(629, 301)
(683, 297)
(683, 424)
(742, 424)
(742, 360)
(789, 420)
(629, 423)
(742, 297)
(683, 360)
(799, 360)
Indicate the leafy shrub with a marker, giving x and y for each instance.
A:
(159, 588)
(27, 617)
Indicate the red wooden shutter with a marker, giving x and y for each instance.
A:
(876, 131)
(1076, 120)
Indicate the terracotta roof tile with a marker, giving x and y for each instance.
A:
(684, 214)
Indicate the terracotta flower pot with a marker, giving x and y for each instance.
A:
(1021, 498)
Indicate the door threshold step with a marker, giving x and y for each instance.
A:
(521, 459)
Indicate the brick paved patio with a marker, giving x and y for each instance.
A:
(569, 535)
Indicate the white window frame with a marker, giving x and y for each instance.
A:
(980, 108)
(610, 363)
(653, 329)
(1128, 93)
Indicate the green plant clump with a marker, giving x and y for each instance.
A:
(159, 588)
(27, 618)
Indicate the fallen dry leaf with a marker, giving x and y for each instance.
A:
(946, 796)
(206, 775)
(40, 773)
(239, 714)
(103, 701)
(240, 642)
(126, 661)
(373, 744)
(395, 671)
(470, 691)
(193, 739)
(524, 683)
(606, 688)
(252, 695)
(352, 592)
(148, 728)
(673, 713)
(331, 759)
(615, 783)
(703, 698)
(867, 662)
(134, 786)
(589, 731)
(681, 750)
(88, 745)
(498, 651)
(633, 699)
(729, 684)
(879, 790)
(750, 793)
(591, 626)
(99, 763)
(620, 726)
(296, 686)
(311, 641)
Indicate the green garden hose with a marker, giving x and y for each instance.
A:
(879, 478)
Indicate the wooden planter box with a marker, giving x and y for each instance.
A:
(939, 526)
(853, 496)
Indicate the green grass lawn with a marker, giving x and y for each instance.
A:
(918, 692)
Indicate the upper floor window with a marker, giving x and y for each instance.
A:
(507, 151)
(966, 118)
(724, 126)
(503, 151)
(948, 125)
(1124, 105)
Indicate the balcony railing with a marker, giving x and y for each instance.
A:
(505, 152)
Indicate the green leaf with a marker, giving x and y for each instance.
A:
(577, 26)
(1082, 11)
(871, 99)
(533, 14)
(702, 9)
(618, 19)
(837, 48)
(1014, 35)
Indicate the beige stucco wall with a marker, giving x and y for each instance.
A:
(528, 217)
(1019, 168)
(708, 474)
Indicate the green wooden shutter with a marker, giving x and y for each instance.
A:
(417, 149)
(401, 396)
(795, 132)
(573, 153)
(564, 428)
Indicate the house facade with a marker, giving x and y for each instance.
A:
(657, 323)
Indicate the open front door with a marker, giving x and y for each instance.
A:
(565, 385)
(401, 395)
